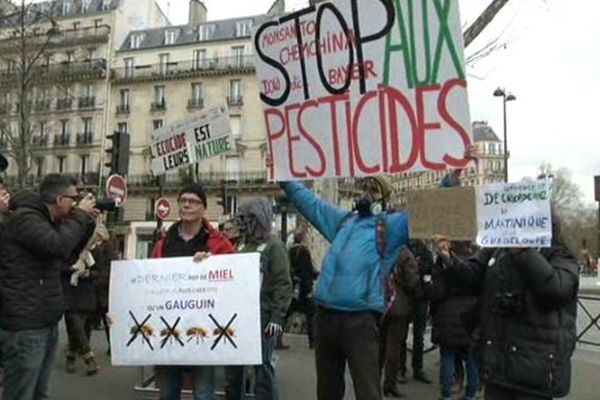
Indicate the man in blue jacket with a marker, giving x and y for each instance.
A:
(350, 290)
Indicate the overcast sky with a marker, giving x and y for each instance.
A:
(551, 63)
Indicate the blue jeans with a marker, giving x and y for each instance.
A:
(447, 371)
(266, 384)
(203, 379)
(27, 357)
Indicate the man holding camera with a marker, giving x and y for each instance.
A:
(40, 236)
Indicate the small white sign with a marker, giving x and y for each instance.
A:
(173, 311)
(178, 146)
(514, 214)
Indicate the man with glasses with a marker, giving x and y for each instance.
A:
(192, 236)
(43, 232)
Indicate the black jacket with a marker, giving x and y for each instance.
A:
(34, 250)
(303, 271)
(528, 317)
(451, 300)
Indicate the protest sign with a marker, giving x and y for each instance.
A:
(357, 88)
(178, 146)
(172, 311)
(514, 214)
(450, 212)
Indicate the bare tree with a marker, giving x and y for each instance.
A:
(28, 30)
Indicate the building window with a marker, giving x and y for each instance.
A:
(85, 160)
(91, 53)
(200, 59)
(64, 128)
(61, 164)
(47, 60)
(135, 41)
(171, 36)
(85, 5)
(163, 60)
(70, 56)
(105, 5)
(129, 67)
(242, 28)
(39, 164)
(159, 96)
(235, 92)
(236, 127)
(76, 25)
(43, 126)
(88, 126)
(124, 98)
(237, 53)
(88, 91)
(157, 124)
(205, 32)
(197, 99)
(66, 7)
(122, 127)
(233, 168)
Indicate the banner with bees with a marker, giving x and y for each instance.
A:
(173, 311)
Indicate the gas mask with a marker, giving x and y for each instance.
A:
(246, 224)
(366, 207)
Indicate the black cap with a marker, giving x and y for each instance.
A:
(3, 163)
(197, 189)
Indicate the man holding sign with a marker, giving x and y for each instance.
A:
(191, 236)
(528, 316)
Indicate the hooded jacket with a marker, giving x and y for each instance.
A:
(353, 273)
(276, 284)
(33, 253)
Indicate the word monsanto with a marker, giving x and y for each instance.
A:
(356, 88)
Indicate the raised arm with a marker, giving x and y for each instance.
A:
(324, 216)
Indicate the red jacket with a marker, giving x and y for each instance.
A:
(217, 242)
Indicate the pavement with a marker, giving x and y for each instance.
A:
(296, 372)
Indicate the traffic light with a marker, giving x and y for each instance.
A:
(118, 153)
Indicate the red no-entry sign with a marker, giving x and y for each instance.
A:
(116, 189)
(162, 208)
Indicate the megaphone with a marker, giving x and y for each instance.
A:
(3, 163)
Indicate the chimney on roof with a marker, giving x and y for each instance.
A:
(198, 13)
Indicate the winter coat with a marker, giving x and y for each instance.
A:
(303, 271)
(353, 273)
(452, 300)
(406, 278)
(276, 284)
(103, 255)
(528, 317)
(207, 240)
(33, 253)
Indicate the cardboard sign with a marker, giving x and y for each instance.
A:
(172, 311)
(178, 146)
(450, 212)
(358, 88)
(514, 214)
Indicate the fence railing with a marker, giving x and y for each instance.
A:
(590, 305)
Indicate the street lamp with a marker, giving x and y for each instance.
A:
(505, 98)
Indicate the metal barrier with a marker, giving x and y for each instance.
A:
(582, 299)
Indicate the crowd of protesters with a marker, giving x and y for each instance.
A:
(504, 319)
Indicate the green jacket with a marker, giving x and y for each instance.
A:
(276, 284)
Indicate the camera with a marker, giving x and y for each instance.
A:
(106, 204)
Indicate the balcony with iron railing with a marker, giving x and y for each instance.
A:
(87, 102)
(158, 106)
(85, 139)
(183, 69)
(195, 103)
(42, 105)
(242, 179)
(123, 109)
(237, 100)
(64, 104)
(39, 141)
(62, 140)
(82, 36)
(58, 72)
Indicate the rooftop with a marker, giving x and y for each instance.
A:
(482, 132)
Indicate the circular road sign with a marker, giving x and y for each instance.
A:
(116, 189)
(162, 208)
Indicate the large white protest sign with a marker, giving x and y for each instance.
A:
(207, 135)
(514, 214)
(358, 88)
(172, 311)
